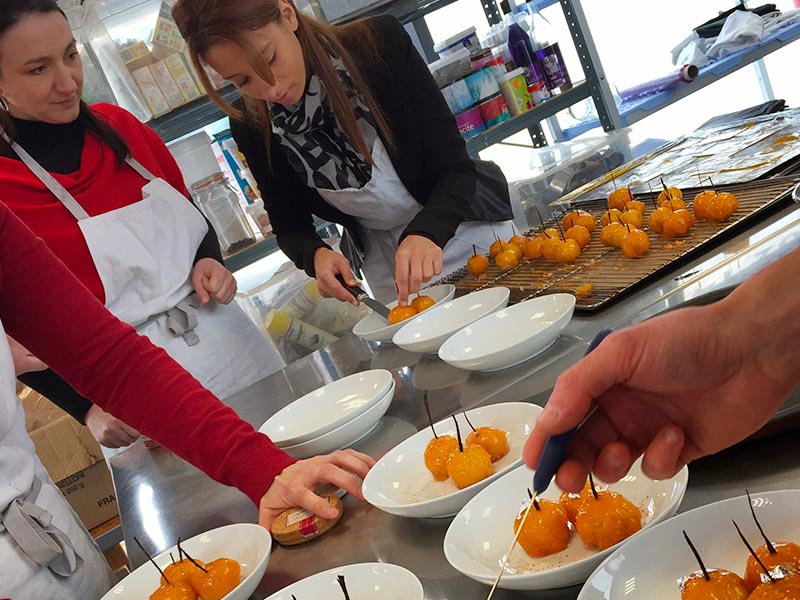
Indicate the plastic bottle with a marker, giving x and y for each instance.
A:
(521, 49)
(548, 53)
(280, 325)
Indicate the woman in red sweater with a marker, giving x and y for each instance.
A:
(124, 373)
(105, 194)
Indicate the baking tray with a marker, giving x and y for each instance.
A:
(612, 275)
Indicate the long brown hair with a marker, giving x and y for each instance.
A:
(11, 13)
(205, 23)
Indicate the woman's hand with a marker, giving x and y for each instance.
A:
(108, 430)
(295, 486)
(327, 265)
(24, 361)
(418, 260)
(211, 280)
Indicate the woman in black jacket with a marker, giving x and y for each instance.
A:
(346, 123)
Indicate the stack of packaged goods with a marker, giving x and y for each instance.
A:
(507, 76)
(157, 64)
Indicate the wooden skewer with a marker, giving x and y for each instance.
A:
(511, 548)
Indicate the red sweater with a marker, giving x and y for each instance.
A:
(47, 309)
(100, 185)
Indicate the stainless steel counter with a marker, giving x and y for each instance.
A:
(161, 497)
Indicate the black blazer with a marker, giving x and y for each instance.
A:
(428, 153)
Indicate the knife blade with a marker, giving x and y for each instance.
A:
(362, 296)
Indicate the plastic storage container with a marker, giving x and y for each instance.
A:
(220, 205)
(466, 39)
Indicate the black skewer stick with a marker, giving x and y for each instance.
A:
(150, 558)
(753, 552)
(591, 485)
(343, 585)
(769, 545)
(534, 500)
(172, 558)
(706, 576)
(428, 410)
(458, 435)
(653, 196)
(541, 220)
(471, 426)
(190, 559)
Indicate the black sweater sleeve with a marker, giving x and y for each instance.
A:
(59, 392)
(286, 197)
(209, 246)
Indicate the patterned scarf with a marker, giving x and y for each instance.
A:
(318, 148)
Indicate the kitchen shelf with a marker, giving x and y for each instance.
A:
(640, 108)
(531, 118)
(192, 117)
(410, 10)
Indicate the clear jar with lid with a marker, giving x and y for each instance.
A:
(220, 205)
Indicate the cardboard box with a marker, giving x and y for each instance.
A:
(136, 56)
(152, 94)
(167, 84)
(74, 460)
(180, 73)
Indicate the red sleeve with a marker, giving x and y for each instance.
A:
(48, 310)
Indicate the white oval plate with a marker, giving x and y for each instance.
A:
(400, 484)
(326, 408)
(365, 580)
(651, 563)
(345, 435)
(481, 533)
(509, 336)
(247, 543)
(427, 332)
(374, 328)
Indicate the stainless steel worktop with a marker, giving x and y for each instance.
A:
(161, 497)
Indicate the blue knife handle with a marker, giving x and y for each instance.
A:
(556, 446)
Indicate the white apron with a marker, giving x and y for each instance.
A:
(45, 551)
(144, 254)
(384, 208)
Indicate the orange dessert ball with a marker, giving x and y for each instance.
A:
(550, 233)
(671, 193)
(437, 453)
(578, 217)
(519, 241)
(545, 531)
(633, 218)
(491, 439)
(721, 585)
(636, 205)
(506, 260)
(608, 233)
(702, 204)
(477, 264)
(580, 234)
(421, 303)
(470, 466)
(722, 207)
(175, 591)
(401, 313)
(656, 221)
(619, 235)
(612, 215)
(572, 502)
(533, 248)
(618, 198)
(785, 588)
(514, 249)
(550, 247)
(568, 251)
(786, 555)
(222, 577)
(674, 204)
(675, 225)
(636, 243)
(497, 247)
(607, 519)
(181, 571)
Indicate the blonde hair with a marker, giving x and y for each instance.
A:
(205, 23)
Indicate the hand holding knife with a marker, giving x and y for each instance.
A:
(362, 296)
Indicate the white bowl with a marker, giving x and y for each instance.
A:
(326, 408)
(344, 435)
(400, 484)
(366, 580)
(509, 336)
(374, 328)
(247, 543)
(650, 564)
(481, 533)
(427, 332)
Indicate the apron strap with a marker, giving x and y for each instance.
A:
(31, 527)
(139, 168)
(58, 190)
(181, 321)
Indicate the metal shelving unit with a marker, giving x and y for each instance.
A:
(640, 108)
